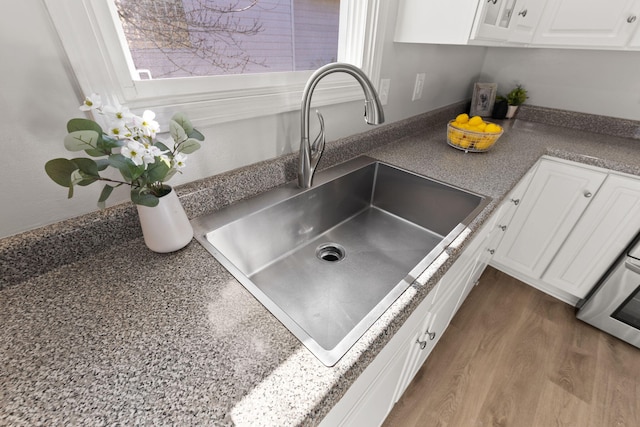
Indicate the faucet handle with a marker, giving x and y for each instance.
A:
(317, 147)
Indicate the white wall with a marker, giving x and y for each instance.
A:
(37, 99)
(589, 81)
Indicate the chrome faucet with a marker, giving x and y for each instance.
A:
(310, 153)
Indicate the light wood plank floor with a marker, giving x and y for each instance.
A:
(514, 356)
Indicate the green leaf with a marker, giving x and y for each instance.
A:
(75, 125)
(87, 166)
(195, 134)
(81, 140)
(157, 171)
(161, 146)
(127, 168)
(183, 121)
(177, 132)
(143, 198)
(102, 164)
(107, 144)
(189, 146)
(60, 170)
(104, 195)
(168, 176)
(96, 153)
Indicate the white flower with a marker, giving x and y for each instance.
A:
(117, 112)
(147, 124)
(150, 154)
(134, 151)
(178, 161)
(92, 102)
(119, 130)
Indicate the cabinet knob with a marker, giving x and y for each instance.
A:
(502, 227)
(523, 13)
(631, 19)
(423, 343)
(492, 251)
(587, 194)
(515, 201)
(492, 1)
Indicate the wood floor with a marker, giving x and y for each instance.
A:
(514, 356)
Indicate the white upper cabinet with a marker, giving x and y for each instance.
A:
(597, 24)
(508, 21)
(588, 23)
(435, 21)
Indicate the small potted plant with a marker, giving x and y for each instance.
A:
(515, 98)
(144, 163)
(500, 108)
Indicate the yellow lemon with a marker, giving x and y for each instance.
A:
(475, 121)
(483, 145)
(492, 128)
(462, 118)
(464, 142)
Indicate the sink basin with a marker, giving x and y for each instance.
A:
(329, 260)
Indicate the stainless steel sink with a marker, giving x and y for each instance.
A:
(329, 260)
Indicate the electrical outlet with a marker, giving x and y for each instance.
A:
(383, 92)
(417, 89)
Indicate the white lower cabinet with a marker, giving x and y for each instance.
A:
(603, 232)
(573, 222)
(554, 201)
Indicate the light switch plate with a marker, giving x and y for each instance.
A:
(417, 89)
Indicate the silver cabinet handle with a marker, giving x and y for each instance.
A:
(523, 13)
(587, 194)
(423, 343)
(631, 19)
(515, 201)
(492, 1)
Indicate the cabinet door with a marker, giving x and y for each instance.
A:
(525, 19)
(635, 40)
(493, 20)
(454, 283)
(435, 21)
(556, 198)
(588, 23)
(377, 402)
(607, 227)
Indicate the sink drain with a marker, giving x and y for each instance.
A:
(330, 252)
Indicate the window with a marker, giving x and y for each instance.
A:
(184, 38)
(103, 61)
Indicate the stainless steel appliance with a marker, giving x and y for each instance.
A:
(614, 305)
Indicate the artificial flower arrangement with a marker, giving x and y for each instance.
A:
(130, 146)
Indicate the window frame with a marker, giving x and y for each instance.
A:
(93, 46)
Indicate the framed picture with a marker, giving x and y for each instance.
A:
(484, 96)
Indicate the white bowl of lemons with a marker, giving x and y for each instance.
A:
(472, 133)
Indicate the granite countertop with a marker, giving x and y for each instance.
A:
(122, 335)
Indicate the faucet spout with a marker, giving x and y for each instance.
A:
(310, 153)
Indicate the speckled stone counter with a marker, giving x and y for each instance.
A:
(123, 336)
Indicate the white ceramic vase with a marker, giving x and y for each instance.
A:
(165, 227)
(511, 111)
